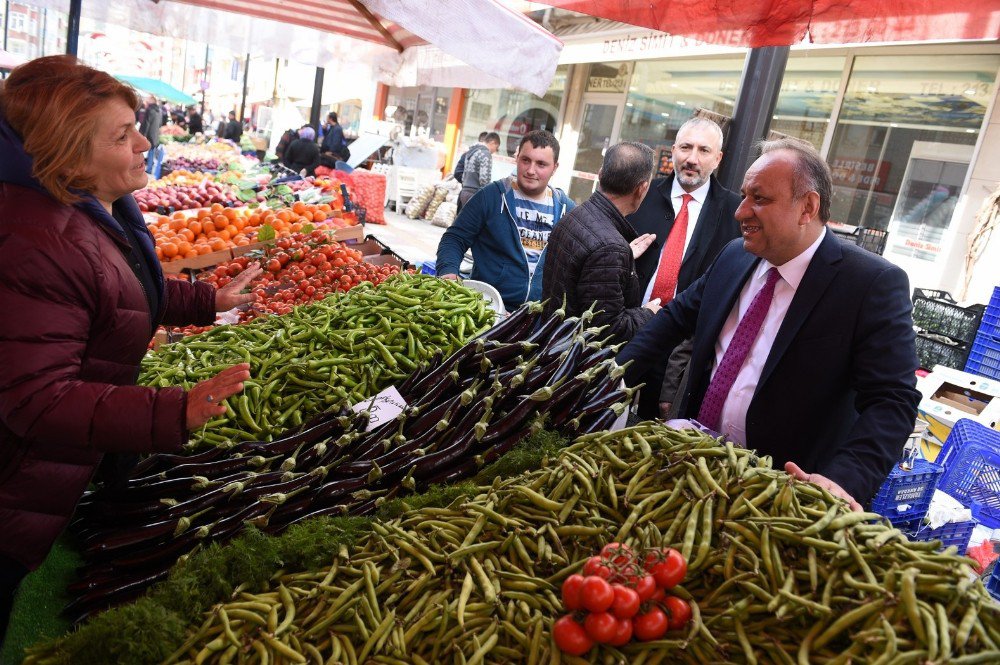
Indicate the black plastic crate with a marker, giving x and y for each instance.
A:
(933, 352)
(937, 312)
(872, 239)
(406, 265)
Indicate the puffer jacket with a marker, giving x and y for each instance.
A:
(590, 261)
(75, 326)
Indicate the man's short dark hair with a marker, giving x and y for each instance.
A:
(813, 174)
(539, 138)
(626, 166)
(332, 116)
(482, 136)
(492, 137)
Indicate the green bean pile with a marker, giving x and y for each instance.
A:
(323, 355)
(779, 571)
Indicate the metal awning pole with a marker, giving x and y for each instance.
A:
(73, 29)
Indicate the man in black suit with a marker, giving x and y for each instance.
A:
(825, 381)
(692, 217)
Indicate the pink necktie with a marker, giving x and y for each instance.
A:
(736, 353)
(672, 256)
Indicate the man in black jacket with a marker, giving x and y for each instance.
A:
(692, 216)
(591, 252)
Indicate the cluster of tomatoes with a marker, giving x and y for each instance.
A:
(620, 595)
(299, 269)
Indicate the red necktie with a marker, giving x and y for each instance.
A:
(671, 257)
(736, 353)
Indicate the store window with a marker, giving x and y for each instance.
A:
(512, 114)
(664, 94)
(420, 111)
(808, 92)
(903, 143)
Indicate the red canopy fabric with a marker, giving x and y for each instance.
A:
(756, 23)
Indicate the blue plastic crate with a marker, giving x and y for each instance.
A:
(993, 582)
(952, 533)
(965, 430)
(905, 495)
(984, 356)
(973, 469)
(428, 268)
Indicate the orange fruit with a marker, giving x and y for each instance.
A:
(218, 244)
(217, 207)
(284, 216)
(187, 234)
(194, 226)
(203, 248)
(299, 207)
(232, 230)
(183, 247)
(224, 234)
(319, 216)
(169, 250)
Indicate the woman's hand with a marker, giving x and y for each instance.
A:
(229, 296)
(204, 400)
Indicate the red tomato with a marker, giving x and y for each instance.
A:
(645, 586)
(679, 611)
(274, 266)
(671, 570)
(623, 633)
(570, 636)
(571, 588)
(626, 602)
(617, 553)
(601, 626)
(597, 595)
(659, 594)
(650, 626)
(596, 566)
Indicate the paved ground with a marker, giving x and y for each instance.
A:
(416, 240)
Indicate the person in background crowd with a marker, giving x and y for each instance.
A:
(194, 121)
(460, 165)
(152, 120)
(507, 225)
(803, 343)
(78, 266)
(334, 143)
(478, 167)
(303, 153)
(692, 215)
(283, 143)
(234, 128)
(592, 252)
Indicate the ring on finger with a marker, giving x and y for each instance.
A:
(210, 399)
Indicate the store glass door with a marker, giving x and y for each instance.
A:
(599, 122)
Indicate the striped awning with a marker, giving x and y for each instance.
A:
(345, 17)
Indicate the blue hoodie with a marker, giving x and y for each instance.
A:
(486, 224)
(17, 168)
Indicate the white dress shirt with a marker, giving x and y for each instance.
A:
(733, 419)
(694, 211)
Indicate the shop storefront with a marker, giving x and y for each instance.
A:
(902, 127)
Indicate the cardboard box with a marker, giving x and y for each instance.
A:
(948, 395)
(200, 261)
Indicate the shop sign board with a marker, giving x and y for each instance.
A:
(863, 173)
(616, 83)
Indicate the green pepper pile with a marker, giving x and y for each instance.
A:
(324, 355)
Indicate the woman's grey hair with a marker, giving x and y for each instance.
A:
(626, 166)
(813, 174)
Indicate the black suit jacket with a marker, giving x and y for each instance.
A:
(837, 393)
(716, 226)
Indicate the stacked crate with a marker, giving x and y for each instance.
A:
(984, 356)
(946, 331)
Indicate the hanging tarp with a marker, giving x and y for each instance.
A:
(158, 89)
(756, 23)
(471, 43)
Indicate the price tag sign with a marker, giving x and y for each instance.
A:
(383, 407)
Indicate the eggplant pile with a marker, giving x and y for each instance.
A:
(462, 414)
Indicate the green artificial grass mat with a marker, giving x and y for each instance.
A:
(39, 601)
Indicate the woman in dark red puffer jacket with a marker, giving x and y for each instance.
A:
(81, 293)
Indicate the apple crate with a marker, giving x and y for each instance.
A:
(905, 495)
